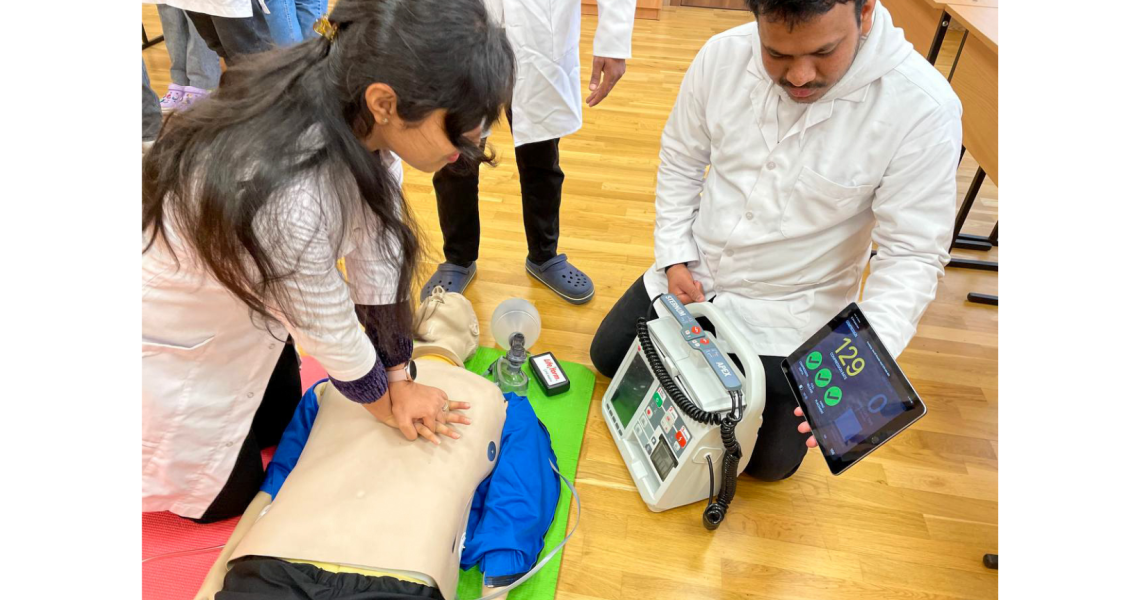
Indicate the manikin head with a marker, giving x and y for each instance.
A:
(445, 324)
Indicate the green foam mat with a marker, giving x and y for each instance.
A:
(565, 418)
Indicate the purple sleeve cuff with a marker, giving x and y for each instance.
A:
(400, 354)
(393, 347)
(367, 389)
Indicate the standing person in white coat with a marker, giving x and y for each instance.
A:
(249, 198)
(233, 29)
(547, 106)
(823, 131)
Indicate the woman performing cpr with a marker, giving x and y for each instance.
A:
(250, 197)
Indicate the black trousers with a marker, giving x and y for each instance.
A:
(457, 198)
(780, 447)
(231, 38)
(282, 395)
(259, 578)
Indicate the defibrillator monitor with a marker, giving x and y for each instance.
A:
(852, 392)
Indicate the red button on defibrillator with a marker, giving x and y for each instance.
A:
(695, 329)
(705, 340)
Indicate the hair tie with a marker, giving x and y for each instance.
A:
(326, 28)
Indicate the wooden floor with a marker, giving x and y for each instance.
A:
(912, 521)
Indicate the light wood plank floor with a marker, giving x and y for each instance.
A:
(911, 521)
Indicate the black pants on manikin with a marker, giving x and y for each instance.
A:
(457, 198)
(260, 578)
(780, 447)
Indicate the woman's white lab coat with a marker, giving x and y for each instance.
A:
(544, 34)
(206, 363)
(780, 229)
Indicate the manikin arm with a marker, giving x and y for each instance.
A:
(217, 575)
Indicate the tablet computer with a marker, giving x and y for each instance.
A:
(852, 392)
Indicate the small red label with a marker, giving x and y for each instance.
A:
(549, 370)
(554, 375)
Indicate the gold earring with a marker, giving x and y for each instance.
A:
(384, 121)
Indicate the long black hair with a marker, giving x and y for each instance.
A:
(300, 112)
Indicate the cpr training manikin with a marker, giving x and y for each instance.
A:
(350, 507)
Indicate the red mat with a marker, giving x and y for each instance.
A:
(179, 577)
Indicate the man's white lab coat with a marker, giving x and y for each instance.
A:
(780, 229)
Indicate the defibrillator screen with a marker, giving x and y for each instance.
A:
(631, 389)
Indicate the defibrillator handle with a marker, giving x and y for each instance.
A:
(730, 341)
(700, 341)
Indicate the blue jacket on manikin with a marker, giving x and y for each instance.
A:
(515, 504)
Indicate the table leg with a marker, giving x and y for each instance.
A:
(954, 66)
(973, 242)
(147, 42)
(970, 242)
(939, 35)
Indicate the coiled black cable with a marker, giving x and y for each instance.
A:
(716, 510)
(671, 387)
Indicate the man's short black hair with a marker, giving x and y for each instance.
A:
(794, 12)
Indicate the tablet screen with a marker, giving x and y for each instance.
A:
(849, 385)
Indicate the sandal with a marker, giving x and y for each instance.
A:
(559, 275)
(451, 277)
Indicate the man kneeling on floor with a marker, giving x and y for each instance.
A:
(797, 141)
(352, 510)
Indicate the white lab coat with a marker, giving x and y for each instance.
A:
(206, 363)
(547, 102)
(780, 229)
(234, 9)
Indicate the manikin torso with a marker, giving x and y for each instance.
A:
(363, 496)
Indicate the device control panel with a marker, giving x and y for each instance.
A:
(662, 431)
